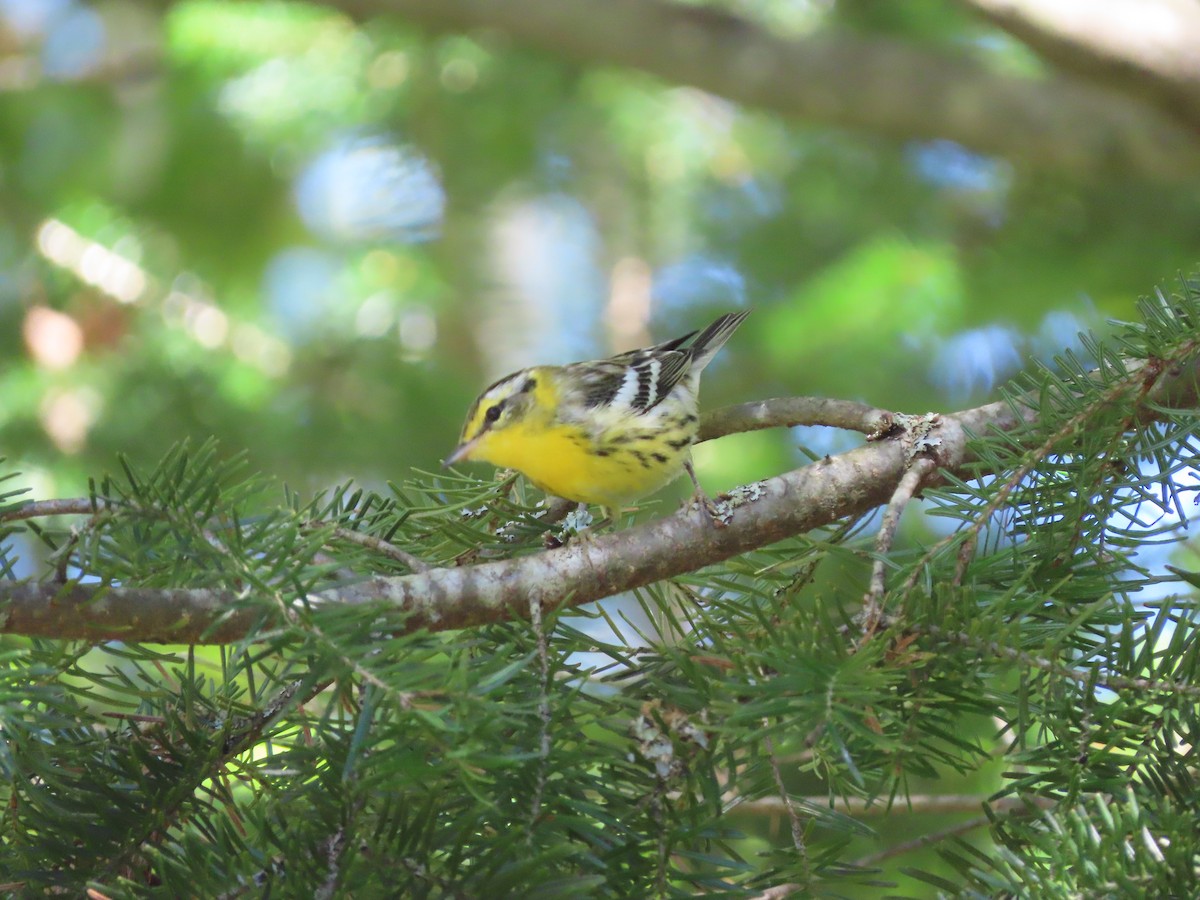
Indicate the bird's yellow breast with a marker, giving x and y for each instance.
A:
(564, 460)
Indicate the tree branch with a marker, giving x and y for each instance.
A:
(583, 571)
(880, 86)
(792, 411)
(1146, 48)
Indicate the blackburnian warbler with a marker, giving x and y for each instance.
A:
(608, 431)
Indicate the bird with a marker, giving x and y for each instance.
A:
(608, 431)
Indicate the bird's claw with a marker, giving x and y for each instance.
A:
(718, 514)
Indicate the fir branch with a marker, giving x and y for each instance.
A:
(238, 738)
(1153, 379)
(1085, 677)
(584, 571)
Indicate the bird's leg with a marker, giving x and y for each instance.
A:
(610, 516)
(711, 511)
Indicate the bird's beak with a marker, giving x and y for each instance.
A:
(461, 452)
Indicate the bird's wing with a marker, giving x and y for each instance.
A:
(635, 381)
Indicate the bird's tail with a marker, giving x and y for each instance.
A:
(712, 338)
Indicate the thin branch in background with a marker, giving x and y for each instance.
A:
(915, 804)
(887, 87)
(25, 72)
(872, 611)
(251, 729)
(1145, 48)
(924, 840)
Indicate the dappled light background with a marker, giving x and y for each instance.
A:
(315, 239)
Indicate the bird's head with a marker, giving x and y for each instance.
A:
(502, 406)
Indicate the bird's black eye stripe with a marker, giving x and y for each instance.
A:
(529, 385)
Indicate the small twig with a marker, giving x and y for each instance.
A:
(253, 727)
(910, 483)
(64, 556)
(379, 545)
(966, 553)
(786, 801)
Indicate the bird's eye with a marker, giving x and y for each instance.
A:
(492, 414)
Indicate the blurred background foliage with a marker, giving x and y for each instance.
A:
(316, 238)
